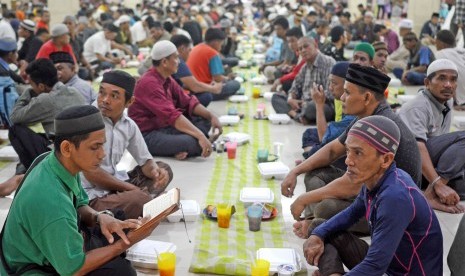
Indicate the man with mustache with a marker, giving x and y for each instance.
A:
(429, 117)
(329, 189)
(405, 234)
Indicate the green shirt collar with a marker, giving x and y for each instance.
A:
(70, 181)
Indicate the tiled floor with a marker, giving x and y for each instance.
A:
(193, 177)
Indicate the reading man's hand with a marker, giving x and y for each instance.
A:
(110, 225)
(142, 233)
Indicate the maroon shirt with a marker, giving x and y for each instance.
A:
(159, 102)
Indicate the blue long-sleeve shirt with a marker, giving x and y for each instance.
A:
(406, 238)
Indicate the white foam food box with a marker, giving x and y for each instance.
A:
(8, 153)
(243, 63)
(268, 95)
(254, 194)
(143, 254)
(279, 119)
(229, 120)
(238, 137)
(459, 121)
(276, 170)
(238, 98)
(191, 209)
(259, 80)
(279, 256)
(404, 98)
(4, 134)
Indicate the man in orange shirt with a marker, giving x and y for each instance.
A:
(58, 43)
(206, 65)
(44, 20)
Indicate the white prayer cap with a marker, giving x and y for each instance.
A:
(163, 49)
(283, 11)
(441, 64)
(406, 24)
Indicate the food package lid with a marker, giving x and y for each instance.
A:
(143, 254)
(238, 137)
(459, 121)
(8, 153)
(405, 98)
(252, 194)
(279, 118)
(395, 83)
(229, 120)
(190, 208)
(238, 98)
(279, 256)
(268, 95)
(273, 168)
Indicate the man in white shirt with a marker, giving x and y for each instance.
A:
(97, 49)
(107, 187)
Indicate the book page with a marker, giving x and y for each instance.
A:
(159, 204)
(161, 207)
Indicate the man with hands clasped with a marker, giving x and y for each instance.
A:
(108, 187)
(406, 238)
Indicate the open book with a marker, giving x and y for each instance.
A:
(161, 207)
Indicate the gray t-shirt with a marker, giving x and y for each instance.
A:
(424, 116)
(408, 155)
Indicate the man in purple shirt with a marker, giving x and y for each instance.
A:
(172, 122)
(389, 37)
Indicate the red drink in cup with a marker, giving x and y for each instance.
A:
(232, 147)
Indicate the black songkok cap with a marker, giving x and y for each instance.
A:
(121, 79)
(367, 77)
(78, 120)
(59, 57)
(111, 27)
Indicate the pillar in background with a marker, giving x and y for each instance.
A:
(420, 11)
(60, 8)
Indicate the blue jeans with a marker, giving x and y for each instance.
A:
(414, 78)
(229, 88)
(204, 98)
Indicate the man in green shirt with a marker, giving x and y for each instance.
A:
(42, 226)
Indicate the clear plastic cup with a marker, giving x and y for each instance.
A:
(260, 268)
(166, 263)
(254, 214)
(223, 212)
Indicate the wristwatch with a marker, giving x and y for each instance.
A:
(106, 212)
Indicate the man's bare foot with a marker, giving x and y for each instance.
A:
(316, 273)
(214, 137)
(9, 186)
(459, 107)
(434, 202)
(181, 155)
(453, 209)
(446, 194)
(301, 228)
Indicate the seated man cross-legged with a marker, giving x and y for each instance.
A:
(107, 187)
(329, 189)
(406, 238)
(172, 122)
(429, 117)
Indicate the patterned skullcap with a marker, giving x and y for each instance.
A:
(379, 132)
